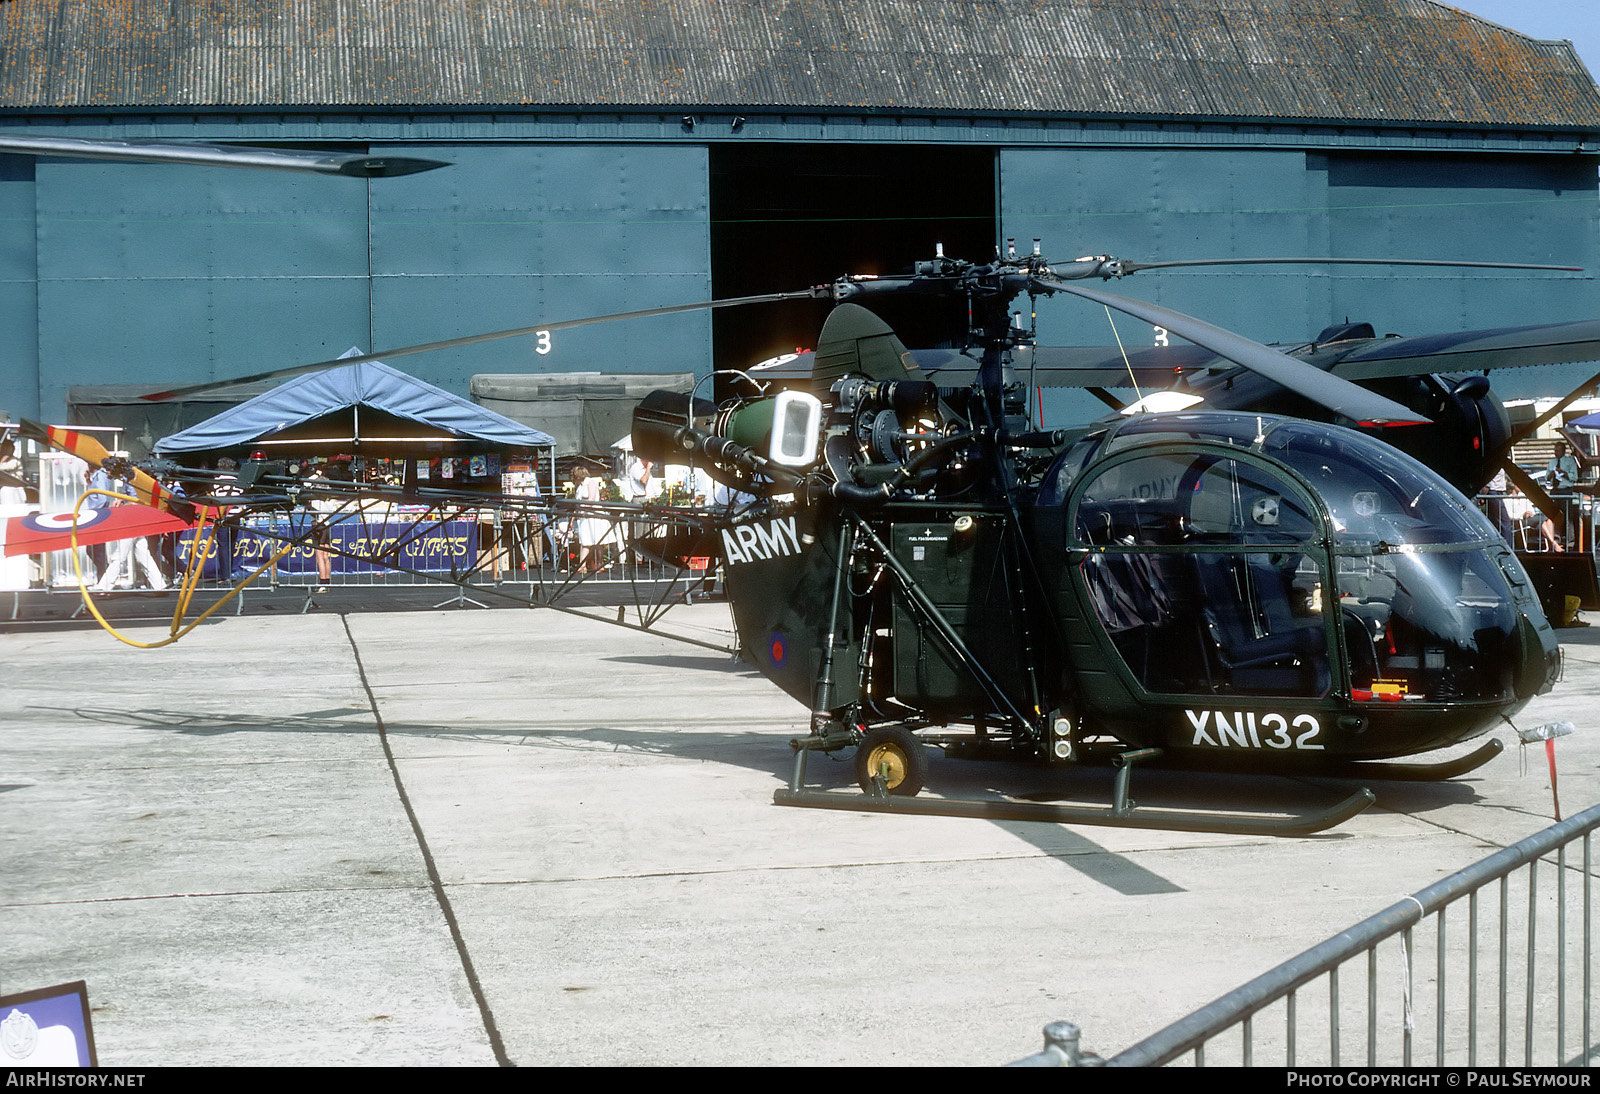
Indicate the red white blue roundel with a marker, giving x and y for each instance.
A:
(62, 522)
(35, 533)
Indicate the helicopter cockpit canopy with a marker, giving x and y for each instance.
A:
(1251, 555)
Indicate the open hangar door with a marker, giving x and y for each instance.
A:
(785, 216)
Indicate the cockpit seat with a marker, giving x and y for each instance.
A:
(1261, 644)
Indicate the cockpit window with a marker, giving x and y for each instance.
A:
(1180, 498)
(1201, 574)
(1210, 574)
(1064, 472)
(1231, 622)
(1435, 626)
(1374, 494)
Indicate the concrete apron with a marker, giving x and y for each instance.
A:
(561, 849)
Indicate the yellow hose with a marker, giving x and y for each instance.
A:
(186, 588)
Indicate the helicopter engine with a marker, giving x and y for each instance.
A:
(891, 431)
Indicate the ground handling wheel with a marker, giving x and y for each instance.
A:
(898, 755)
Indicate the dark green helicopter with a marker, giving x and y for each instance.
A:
(1233, 588)
(920, 565)
(1242, 587)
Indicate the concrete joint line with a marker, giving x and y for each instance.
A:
(434, 880)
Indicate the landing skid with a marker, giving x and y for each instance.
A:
(1360, 770)
(1106, 816)
(1434, 772)
(1123, 813)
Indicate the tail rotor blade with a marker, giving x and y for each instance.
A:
(92, 452)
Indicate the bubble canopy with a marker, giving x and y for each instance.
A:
(1371, 491)
(1296, 558)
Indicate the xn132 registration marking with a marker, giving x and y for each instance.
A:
(1247, 729)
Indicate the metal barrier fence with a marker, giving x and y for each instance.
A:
(458, 547)
(1508, 951)
(1522, 525)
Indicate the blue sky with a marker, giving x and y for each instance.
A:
(1577, 20)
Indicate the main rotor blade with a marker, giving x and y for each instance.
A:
(1134, 267)
(352, 164)
(469, 340)
(1109, 366)
(1340, 396)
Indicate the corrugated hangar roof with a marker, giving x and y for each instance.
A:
(1347, 60)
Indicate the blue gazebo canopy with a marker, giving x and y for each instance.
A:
(357, 408)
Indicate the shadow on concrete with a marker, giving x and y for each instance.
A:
(768, 753)
(690, 662)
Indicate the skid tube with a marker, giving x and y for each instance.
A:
(1427, 772)
(1363, 770)
(1122, 814)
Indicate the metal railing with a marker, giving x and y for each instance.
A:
(461, 547)
(1519, 522)
(1509, 952)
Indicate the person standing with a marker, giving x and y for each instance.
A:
(1561, 473)
(100, 479)
(12, 492)
(16, 571)
(127, 556)
(1561, 478)
(1495, 494)
(636, 481)
(592, 531)
(324, 508)
(635, 488)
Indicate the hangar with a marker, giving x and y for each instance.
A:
(611, 155)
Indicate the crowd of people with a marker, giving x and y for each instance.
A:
(1526, 526)
(594, 541)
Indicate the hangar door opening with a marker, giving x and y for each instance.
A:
(785, 216)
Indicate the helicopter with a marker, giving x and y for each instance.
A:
(923, 567)
(1243, 587)
(1226, 588)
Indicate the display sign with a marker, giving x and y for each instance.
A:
(47, 1028)
(430, 547)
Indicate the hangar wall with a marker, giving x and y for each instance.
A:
(1172, 203)
(19, 290)
(119, 273)
(1363, 202)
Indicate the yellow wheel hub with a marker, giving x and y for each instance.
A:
(890, 761)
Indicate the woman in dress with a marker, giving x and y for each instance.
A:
(592, 531)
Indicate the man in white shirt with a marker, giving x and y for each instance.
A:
(1561, 473)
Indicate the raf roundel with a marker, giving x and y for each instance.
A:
(62, 522)
(778, 648)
